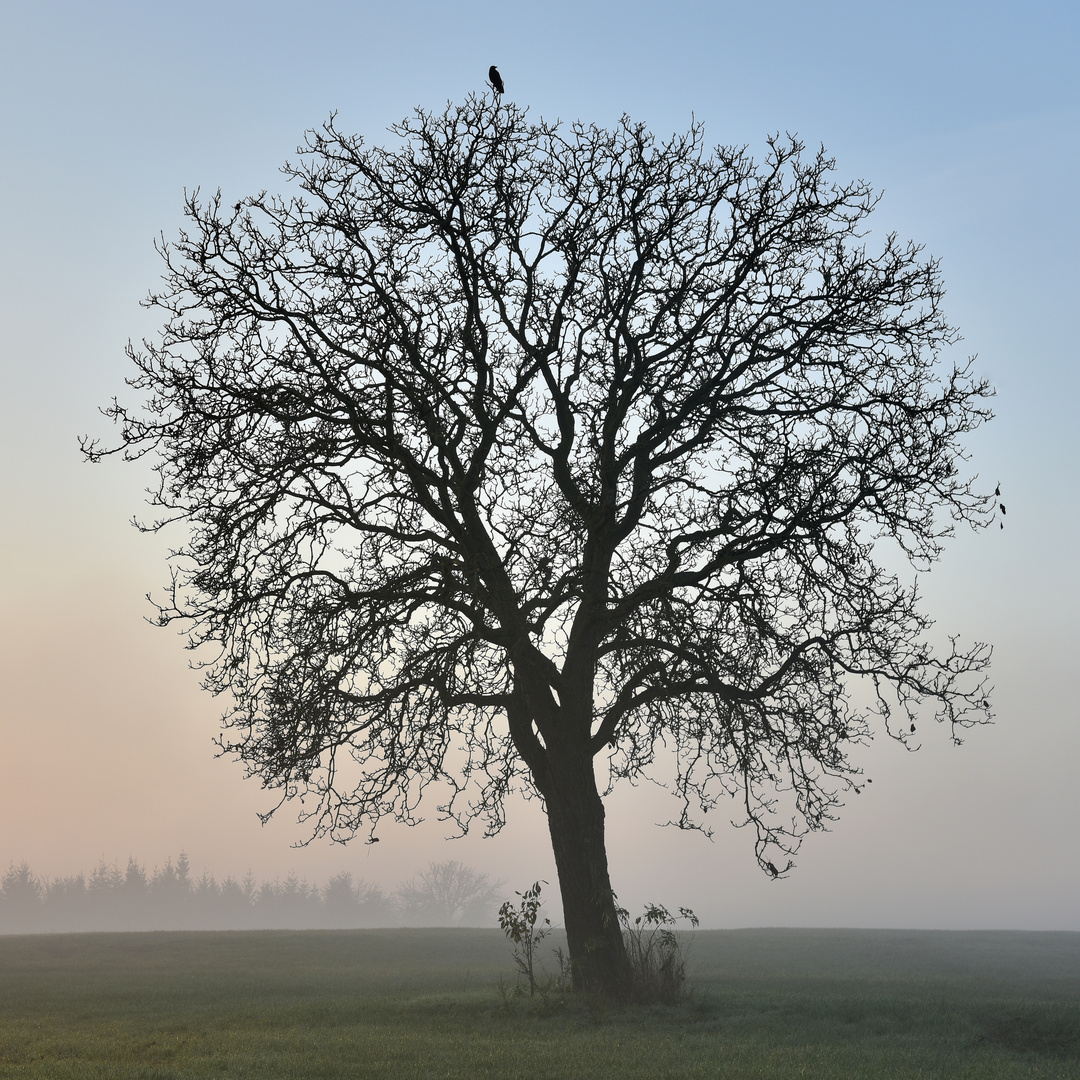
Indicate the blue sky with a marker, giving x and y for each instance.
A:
(966, 115)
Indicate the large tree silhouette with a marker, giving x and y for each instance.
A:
(515, 446)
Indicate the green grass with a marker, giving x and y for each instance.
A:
(417, 1004)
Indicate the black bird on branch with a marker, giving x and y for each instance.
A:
(496, 80)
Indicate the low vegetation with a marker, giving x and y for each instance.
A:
(425, 1003)
(523, 926)
(657, 952)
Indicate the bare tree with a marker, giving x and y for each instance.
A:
(514, 446)
(448, 894)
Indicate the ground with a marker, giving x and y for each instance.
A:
(420, 1003)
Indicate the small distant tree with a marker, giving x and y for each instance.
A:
(135, 883)
(133, 897)
(170, 891)
(66, 904)
(447, 894)
(236, 902)
(104, 892)
(518, 446)
(21, 898)
(341, 901)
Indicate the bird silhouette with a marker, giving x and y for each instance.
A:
(1002, 505)
(495, 79)
(997, 490)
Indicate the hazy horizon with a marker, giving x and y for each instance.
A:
(960, 114)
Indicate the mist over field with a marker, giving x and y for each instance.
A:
(170, 897)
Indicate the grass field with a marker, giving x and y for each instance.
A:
(417, 1004)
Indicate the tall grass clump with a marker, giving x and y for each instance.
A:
(657, 953)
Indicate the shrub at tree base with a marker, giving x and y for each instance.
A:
(520, 927)
(656, 952)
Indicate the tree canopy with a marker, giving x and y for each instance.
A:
(515, 445)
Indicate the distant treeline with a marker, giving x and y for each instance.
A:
(170, 898)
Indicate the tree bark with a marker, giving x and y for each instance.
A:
(575, 814)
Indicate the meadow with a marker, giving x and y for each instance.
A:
(439, 1003)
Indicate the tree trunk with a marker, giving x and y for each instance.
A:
(575, 814)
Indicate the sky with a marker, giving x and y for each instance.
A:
(965, 115)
